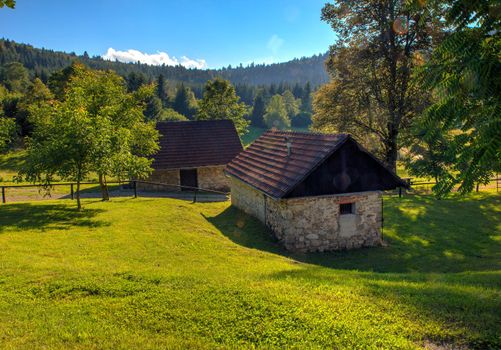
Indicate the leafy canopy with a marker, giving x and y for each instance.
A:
(220, 101)
(379, 46)
(276, 113)
(464, 74)
(98, 127)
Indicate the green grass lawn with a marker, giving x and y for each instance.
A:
(164, 273)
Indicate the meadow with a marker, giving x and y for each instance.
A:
(164, 273)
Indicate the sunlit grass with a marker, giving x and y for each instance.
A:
(164, 273)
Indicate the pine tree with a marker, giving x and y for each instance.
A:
(258, 110)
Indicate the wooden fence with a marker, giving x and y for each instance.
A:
(131, 185)
(196, 191)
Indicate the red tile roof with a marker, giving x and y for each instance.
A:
(196, 143)
(266, 166)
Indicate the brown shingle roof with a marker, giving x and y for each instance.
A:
(266, 166)
(196, 143)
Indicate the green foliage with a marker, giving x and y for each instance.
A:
(157, 273)
(276, 113)
(168, 114)
(153, 108)
(185, 102)
(301, 120)
(15, 77)
(35, 96)
(8, 3)
(220, 101)
(98, 127)
(379, 45)
(463, 74)
(258, 110)
(135, 81)
(7, 132)
(59, 80)
(291, 104)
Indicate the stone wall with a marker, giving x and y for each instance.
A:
(247, 199)
(313, 223)
(213, 178)
(162, 176)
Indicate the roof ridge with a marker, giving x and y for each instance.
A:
(194, 121)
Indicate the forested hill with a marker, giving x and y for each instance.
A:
(43, 62)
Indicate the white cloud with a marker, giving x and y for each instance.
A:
(156, 59)
(275, 43)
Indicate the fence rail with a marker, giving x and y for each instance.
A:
(196, 190)
(132, 183)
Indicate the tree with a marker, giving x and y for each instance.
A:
(60, 79)
(135, 81)
(306, 99)
(276, 113)
(7, 132)
(98, 127)
(36, 95)
(258, 109)
(161, 90)
(15, 77)
(185, 102)
(8, 3)
(380, 44)
(221, 102)
(153, 108)
(463, 74)
(291, 104)
(168, 114)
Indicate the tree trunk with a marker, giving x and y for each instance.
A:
(104, 188)
(392, 151)
(79, 205)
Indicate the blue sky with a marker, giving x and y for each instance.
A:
(208, 33)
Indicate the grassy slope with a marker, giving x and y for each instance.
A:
(150, 273)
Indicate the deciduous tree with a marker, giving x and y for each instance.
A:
(276, 113)
(221, 102)
(379, 45)
(98, 127)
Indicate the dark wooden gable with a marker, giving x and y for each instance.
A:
(349, 169)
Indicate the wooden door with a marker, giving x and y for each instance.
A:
(188, 177)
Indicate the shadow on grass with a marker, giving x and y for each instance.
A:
(467, 304)
(12, 161)
(422, 235)
(441, 266)
(29, 216)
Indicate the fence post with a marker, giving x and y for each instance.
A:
(3, 194)
(400, 192)
(195, 196)
(135, 188)
(72, 192)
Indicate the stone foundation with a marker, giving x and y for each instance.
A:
(211, 178)
(314, 223)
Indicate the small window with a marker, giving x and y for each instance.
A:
(347, 208)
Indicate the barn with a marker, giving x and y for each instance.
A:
(194, 154)
(316, 192)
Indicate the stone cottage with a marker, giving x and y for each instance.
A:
(194, 154)
(316, 192)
